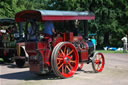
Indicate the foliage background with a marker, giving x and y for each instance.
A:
(110, 25)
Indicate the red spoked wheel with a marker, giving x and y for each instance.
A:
(64, 60)
(98, 62)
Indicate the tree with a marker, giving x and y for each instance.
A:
(111, 15)
(10, 7)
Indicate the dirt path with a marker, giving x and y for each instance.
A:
(114, 73)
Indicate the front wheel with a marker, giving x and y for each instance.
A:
(64, 60)
(98, 62)
(20, 63)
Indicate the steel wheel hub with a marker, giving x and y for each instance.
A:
(66, 60)
(98, 62)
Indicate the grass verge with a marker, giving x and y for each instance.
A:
(1, 60)
(109, 51)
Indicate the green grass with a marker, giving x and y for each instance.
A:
(1, 59)
(109, 51)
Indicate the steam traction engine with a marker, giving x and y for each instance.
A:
(63, 54)
(7, 40)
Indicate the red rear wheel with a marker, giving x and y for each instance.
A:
(98, 62)
(64, 60)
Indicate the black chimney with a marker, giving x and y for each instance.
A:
(86, 29)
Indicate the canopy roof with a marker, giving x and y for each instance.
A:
(6, 22)
(46, 15)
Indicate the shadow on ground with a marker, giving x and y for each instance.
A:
(86, 71)
(27, 75)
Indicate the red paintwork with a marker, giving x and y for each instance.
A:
(77, 38)
(54, 18)
(84, 55)
(81, 66)
(84, 52)
(5, 53)
(56, 40)
(32, 14)
(33, 49)
(44, 50)
(69, 36)
(60, 18)
(43, 16)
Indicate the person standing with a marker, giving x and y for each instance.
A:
(124, 39)
(94, 42)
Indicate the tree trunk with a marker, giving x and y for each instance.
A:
(106, 39)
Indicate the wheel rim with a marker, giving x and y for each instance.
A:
(67, 60)
(99, 62)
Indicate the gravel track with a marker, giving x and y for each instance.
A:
(114, 73)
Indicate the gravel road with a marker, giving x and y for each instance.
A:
(114, 73)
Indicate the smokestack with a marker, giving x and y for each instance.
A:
(86, 29)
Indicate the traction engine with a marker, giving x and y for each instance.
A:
(63, 55)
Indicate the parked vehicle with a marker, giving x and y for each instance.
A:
(12, 47)
(21, 58)
(7, 40)
(64, 51)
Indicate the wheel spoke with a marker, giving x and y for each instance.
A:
(60, 66)
(65, 69)
(59, 58)
(70, 66)
(60, 55)
(70, 52)
(58, 62)
(72, 61)
(96, 61)
(96, 57)
(98, 66)
(71, 57)
(100, 58)
(67, 52)
(64, 49)
(95, 65)
(62, 52)
(101, 66)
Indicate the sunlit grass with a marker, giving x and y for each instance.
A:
(109, 51)
(1, 59)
